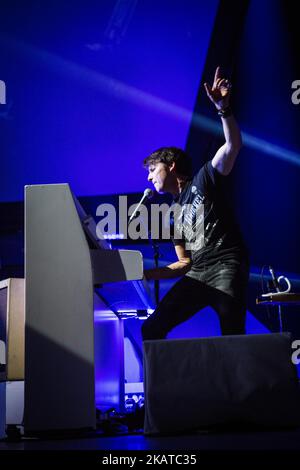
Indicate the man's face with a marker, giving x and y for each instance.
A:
(158, 175)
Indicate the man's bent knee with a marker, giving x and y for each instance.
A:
(151, 329)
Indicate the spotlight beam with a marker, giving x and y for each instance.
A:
(121, 90)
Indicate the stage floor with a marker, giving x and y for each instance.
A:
(271, 440)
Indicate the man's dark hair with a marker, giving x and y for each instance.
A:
(168, 155)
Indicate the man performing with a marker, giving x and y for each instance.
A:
(215, 273)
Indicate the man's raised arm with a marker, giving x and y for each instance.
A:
(219, 94)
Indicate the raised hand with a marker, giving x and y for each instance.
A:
(219, 93)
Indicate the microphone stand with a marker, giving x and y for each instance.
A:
(154, 244)
(276, 287)
(156, 256)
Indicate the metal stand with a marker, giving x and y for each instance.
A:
(280, 319)
(280, 300)
(156, 256)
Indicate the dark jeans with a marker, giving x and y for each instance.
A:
(222, 286)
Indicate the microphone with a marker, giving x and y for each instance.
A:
(274, 280)
(147, 194)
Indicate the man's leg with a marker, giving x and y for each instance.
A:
(229, 295)
(231, 312)
(183, 300)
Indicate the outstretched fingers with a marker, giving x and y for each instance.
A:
(217, 74)
(208, 89)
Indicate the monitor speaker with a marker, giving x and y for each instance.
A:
(220, 381)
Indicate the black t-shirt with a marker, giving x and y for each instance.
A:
(207, 227)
